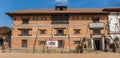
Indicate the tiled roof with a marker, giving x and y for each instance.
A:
(112, 9)
(69, 10)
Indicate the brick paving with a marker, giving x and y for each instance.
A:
(60, 55)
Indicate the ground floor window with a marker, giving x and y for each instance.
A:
(24, 43)
(60, 43)
(77, 42)
(42, 42)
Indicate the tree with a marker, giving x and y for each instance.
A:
(4, 30)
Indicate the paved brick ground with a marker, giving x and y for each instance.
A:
(59, 55)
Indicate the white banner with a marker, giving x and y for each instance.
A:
(52, 43)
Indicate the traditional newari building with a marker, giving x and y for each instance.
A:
(114, 22)
(61, 28)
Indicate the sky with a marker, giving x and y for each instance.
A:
(11, 5)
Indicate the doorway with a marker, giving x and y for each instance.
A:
(97, 44)
(1, 41)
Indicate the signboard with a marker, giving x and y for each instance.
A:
(52, 43)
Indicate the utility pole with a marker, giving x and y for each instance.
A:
(69, 39)
(35, 41)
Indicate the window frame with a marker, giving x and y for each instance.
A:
(61, 43)
(77, 42)
(25, 20)
(96, 20)
(24, 32)
(77, 31)
(60, 19)
(60, 34)
(42, 31)
(42, 42)
(24, 43)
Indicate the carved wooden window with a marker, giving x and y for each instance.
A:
(76, 31)
(25, 20)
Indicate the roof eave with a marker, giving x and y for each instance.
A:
(10, 14)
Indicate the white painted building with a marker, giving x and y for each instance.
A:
(114, 24)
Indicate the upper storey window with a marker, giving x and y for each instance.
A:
(25, 20)
(43, 31)
(25, 32)
(95, 20)
(76, 31)
(60, 19)
(96, 31)
(60, 32)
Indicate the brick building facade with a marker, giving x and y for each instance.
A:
(66, 27)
